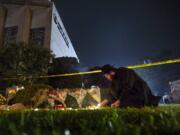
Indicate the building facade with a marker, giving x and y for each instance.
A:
(35, 22)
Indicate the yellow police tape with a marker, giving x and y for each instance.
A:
(99, 71)
(155, 64)
(72, 74)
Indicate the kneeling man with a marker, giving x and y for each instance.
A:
(128, 89)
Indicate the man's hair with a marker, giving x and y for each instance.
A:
(107, 69)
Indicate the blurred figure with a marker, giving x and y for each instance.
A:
(166, 98)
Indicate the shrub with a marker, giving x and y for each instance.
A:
(130, 121)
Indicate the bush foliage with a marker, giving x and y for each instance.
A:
(25, 62)
(130, 121)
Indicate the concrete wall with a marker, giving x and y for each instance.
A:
(2, 22)
(30, 15)
(31, 2)
(41, 17)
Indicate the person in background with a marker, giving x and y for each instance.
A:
(128, 89)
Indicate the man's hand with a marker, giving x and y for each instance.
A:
(103, 103)
(116, 104)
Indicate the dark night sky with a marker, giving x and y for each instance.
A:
(121, 32)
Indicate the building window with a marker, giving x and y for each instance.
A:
(10, 35)
(37, 36)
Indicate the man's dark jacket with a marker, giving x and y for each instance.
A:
(131, 90)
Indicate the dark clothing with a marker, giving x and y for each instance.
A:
(131, 90)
